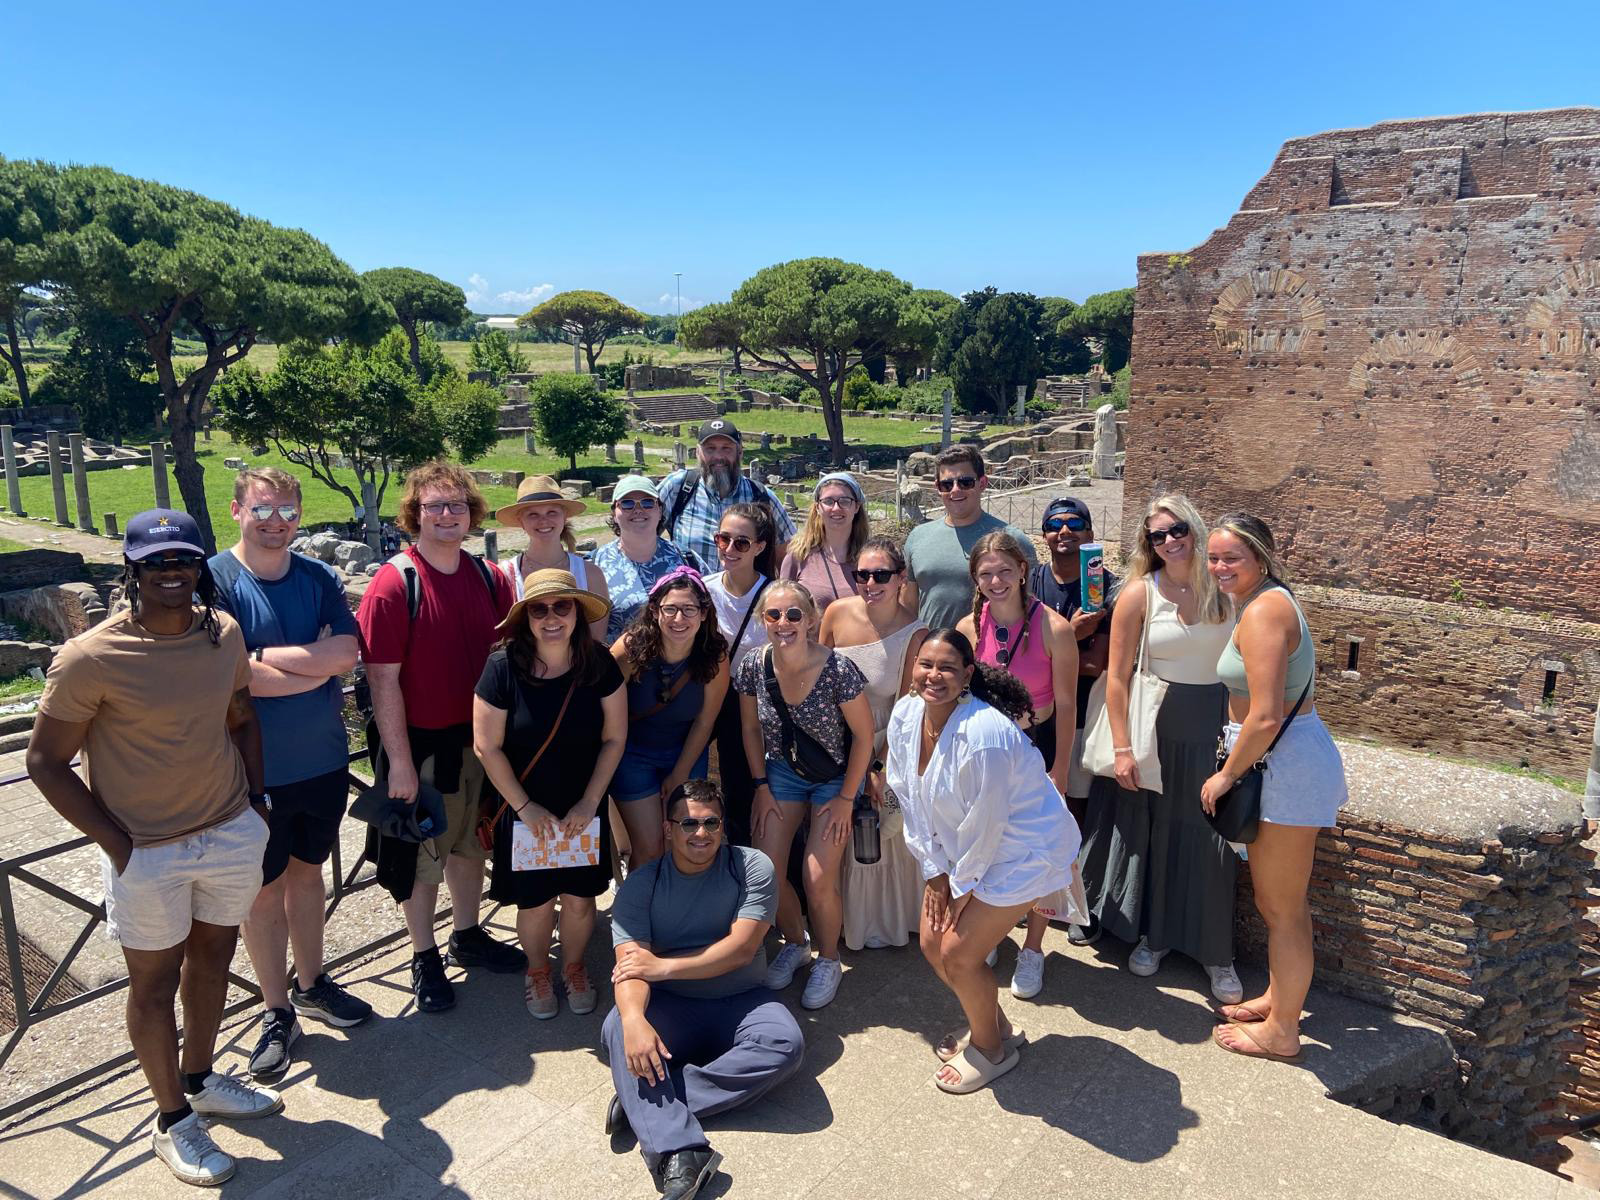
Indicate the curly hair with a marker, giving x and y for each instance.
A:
(994, 687)
(441, 474)
(644, 635)
(760, 517)
(998, 542)
(205, 590)
(522, 649)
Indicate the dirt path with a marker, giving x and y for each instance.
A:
(47, 535)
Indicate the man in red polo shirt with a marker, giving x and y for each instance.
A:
(422, 670)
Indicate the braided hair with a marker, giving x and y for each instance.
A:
(1000, 689)
(205, 590)
(998, 542)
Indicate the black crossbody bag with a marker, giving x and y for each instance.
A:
(807, 757)
(1238, 815)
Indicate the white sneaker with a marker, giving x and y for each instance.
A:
(232, 1098)
(780, 972)
(822, 985)
(1225, 985)
(1027, 980)
(1145, 961)
(190, 1154)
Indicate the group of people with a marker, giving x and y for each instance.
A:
(555, 715)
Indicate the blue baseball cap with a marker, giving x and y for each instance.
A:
(1067, 504)
(158, 530)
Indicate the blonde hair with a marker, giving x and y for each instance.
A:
(274, 479)
(1143, 560)
(798, 590)
(998, 542)
(811, 538)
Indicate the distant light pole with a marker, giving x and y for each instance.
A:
(679, 276)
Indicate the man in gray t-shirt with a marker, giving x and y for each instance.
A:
(694, 1031)
(938, 580)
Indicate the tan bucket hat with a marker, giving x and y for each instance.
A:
(537, 489)
(552, 583)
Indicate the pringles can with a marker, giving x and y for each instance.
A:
(1092, 575)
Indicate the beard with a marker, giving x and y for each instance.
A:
(723, 476)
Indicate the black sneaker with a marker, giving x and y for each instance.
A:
(685, 1172)
(1084, 935)
(327, 1001)
(428, 984)
(618, 1128)
(272, 1054)
(475, 948)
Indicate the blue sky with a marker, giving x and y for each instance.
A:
(524, 149)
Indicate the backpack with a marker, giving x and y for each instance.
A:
(669, 522)
(407, 567)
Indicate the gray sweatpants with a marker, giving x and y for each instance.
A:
(726, 1052)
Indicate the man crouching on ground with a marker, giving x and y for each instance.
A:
(695, 1031)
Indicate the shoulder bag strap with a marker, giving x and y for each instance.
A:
(785, 720)
(1282, 729)
(1144, 632)
(672, 694)
(750, 609)
(691, 480)
(539, 753)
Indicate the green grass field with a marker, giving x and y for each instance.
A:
(541, 356)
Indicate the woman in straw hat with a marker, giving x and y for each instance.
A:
(550, 721)
(541, 511)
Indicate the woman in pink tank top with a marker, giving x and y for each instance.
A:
(1011, 630)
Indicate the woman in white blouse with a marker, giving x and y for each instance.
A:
(989, 829)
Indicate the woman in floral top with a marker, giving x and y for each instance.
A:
(808, 738)
(640, 556)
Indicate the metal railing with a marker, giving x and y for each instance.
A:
(32, 1010)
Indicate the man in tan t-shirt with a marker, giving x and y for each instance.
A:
(158, 699)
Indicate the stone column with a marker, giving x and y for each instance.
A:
(1105, 442)
(13, 484)
(611, 452)
(680, 454)
(722, 379)
(491, 545)
(638, 452)
(370, 518)
(528, 444)
(944, 437)
(110, 520)
(58, 487)
(158, 472)
(766, 442)
(577, 356)
(899, 486)
(1022, 401)
(1591, 791)
(80, 482)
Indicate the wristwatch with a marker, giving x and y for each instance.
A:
(257, 653)
(262, 798)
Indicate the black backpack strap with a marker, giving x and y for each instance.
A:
(403, 563)
(691, 480)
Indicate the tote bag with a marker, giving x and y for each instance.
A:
(1146, 690)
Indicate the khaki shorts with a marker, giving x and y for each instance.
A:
(461, 824)
(211, 876)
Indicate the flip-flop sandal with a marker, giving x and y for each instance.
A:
(975, 1071)
(950, 1045)
(1224, 1019)
(1260, 1051)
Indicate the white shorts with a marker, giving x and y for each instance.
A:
(1304, 782)
(212, 876)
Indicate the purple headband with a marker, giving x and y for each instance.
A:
(677, 575)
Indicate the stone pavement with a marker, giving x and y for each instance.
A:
(1119, 1093)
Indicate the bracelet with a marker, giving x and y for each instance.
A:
(1122, 749)
(759, 783)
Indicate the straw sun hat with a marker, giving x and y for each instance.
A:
(536, 490)
(552, 583)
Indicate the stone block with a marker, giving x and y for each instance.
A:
(579, 487)
(323, 546)
(352, 556)
(16, 657)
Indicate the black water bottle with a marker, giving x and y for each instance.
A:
(865, 834)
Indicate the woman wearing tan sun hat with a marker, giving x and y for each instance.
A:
(541, 511)
(550, 720)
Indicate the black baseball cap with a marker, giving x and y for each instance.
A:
(1067, 504)
(159, 530)
(719, 427)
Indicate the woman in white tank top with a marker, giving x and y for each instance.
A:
(541, 511)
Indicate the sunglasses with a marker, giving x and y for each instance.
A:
(673, 611)
(181, 562)
(693, 825)
(1178, 529)
(965, 482)
(737, 541)
(1057, 524)
(539, 610)
(629, 503)
(792, 615)
(286, 512)
(876, 575)
(435, 508)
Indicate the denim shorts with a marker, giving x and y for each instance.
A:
(789, 787)
(642, 770)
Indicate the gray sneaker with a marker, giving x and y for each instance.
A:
(273, 1052)
(230, 1097)
(190, 1154)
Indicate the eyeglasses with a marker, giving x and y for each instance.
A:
(693, 825)
(539, 610)
(673, 611)
(181, 562)
(286, 512)
(1057, 524)
(1178, 529)
(737, 541)
(837, 502)
(792, 615)
(629, 503)
(965, 482)
(876, 575)
(436, 508)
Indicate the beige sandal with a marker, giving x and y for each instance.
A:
(975, 1071)
(951, 1044)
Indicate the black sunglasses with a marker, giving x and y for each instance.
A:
(1057, 524)
(538, 610)
(876, 575)
(793, 615)
(181, 562)
(1178, 529)
(965, 482)
(693, 825)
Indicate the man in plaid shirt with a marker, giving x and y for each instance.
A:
(691, 523)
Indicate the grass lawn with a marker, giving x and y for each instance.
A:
(7, 546)
(541, 356)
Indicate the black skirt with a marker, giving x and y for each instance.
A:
(534, 889)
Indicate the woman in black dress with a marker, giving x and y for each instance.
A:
(550, 682)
